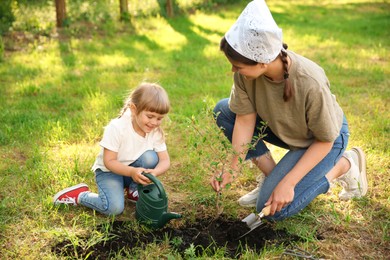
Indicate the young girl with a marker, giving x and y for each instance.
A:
(291, 94)
(132, 144)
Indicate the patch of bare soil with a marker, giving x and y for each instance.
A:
(210, 234)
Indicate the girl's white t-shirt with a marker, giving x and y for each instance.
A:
(120, 137)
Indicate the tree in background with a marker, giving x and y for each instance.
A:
(60, 12)
(7, 16)
(166, 7)
(124, 10)
(170, 8)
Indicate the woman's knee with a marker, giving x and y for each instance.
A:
(221, 108)
(278, 216)
(224, 117)
(221, 104)
(260, 204)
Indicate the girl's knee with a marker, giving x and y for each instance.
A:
(150, 159)
(115, 209)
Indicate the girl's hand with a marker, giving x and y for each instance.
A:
(138, 177)
(151, 171)
(281, 197)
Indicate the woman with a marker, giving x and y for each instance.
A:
(291, 94)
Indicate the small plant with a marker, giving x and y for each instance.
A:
(211, 143)
(190, 252)
(176, 241)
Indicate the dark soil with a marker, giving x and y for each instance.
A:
(204, 234)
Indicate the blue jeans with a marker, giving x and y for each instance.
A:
(313, 184)
(110, 200)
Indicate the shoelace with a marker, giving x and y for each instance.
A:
(67, 200)
(133, 193)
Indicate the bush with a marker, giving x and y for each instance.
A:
(7, 16)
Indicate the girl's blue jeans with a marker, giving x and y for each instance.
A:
(110, 199)
(313, 184)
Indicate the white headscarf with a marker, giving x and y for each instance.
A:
(255, 35)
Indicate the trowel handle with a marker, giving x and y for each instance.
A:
(265, 211)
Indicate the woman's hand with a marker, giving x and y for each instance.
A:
(215, 181)
(220, 180)
(281, 197)
(283, 193)
(241, 137)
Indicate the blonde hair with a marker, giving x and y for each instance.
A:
(148, 96)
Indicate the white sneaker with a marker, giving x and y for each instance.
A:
(250, 199)
(354, 181)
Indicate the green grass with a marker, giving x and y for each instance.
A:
(57, 93)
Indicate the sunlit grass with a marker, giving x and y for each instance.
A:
(58, 93)
(162, 35)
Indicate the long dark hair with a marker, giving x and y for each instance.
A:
(234, 55)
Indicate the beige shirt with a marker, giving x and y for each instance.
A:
(312, 114)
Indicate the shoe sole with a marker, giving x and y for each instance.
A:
(58, 194)
(363, 185)
(247, 205)
(244, 203)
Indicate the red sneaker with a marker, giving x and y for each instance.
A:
(132, 195)
(70, 195)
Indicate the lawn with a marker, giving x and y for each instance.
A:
(58, 91)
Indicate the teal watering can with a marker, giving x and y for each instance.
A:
(152, 205)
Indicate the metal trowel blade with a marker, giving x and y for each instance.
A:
(253, 221)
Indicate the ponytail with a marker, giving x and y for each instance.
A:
(288, 89)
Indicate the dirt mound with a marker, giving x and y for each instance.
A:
(210, 234)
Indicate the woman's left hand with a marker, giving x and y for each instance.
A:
(281, 197)
(219, 181)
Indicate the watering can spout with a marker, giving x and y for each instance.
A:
(166, 217)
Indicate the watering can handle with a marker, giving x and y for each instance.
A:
(157, 182)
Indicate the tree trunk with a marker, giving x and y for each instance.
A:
(124, 10)
(60, 12)
(170, 8)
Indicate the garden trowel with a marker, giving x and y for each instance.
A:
(253, 220)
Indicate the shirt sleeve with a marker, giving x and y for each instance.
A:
(111, 138)
(239, 101)
(159, 143)
(323, 120)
